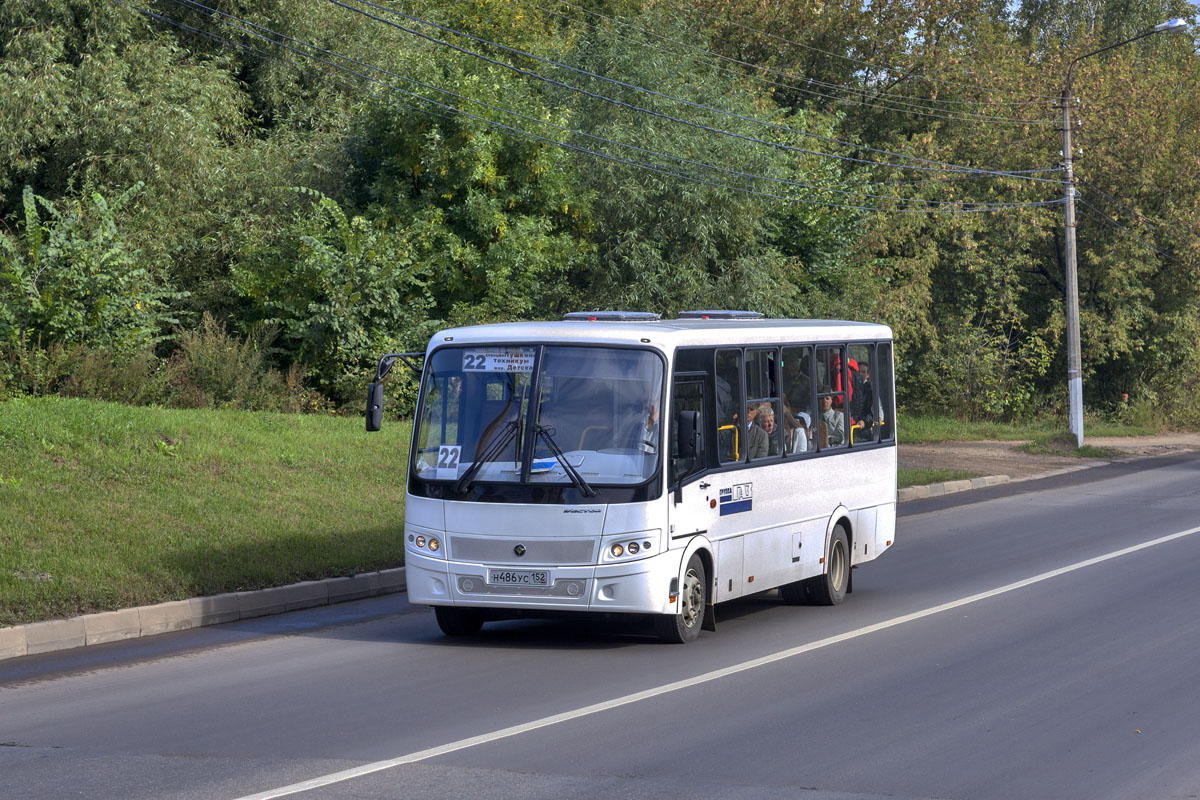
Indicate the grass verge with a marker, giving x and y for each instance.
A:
(104, 506)
(1063, 444)
(917, 429)
(919, 477)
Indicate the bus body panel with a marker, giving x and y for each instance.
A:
(772, 524)
(426, 512)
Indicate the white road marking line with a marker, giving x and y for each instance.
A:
(595, 708)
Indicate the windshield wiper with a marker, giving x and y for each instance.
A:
(572, 473)
(494, 448)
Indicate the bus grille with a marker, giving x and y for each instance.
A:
(536, 551)
(571, 588)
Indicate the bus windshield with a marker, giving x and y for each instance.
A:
(594, 420)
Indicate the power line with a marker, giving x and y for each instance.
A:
(246, 26)
(937, 166)
(883, 68)
(965, 207)
(1105, 218)
(873, 99)
(242, 24)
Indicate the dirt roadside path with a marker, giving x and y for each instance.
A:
(1001, 458)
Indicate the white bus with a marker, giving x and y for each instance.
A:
(615, 462)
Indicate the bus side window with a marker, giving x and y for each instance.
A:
(864, 419)
(764, 433)
(831, 398)
(731, 422)
(799, 430)
(884, 388)
(688, 396)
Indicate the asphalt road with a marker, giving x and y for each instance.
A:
(1032, 641)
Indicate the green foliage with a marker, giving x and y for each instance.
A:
(340, 290)
(682, 234)
(71, 277)
(208, 369)
(212, 369)
(499, 222)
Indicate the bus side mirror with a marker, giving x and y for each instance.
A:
(687, 434)
(374, 407)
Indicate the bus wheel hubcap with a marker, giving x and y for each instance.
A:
(693, 598)
(837, 570)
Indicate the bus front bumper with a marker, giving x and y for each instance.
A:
(636, 587)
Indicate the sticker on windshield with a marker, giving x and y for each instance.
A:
(498, 359)
(447, 462)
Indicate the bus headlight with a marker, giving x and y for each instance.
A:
(630, 546)
(425, 541)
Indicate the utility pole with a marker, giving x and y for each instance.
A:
(1074, 376)
(1074, 372)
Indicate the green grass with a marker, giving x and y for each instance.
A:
(919, 477)
(916, 428)
(105, 506)
(1063, 444)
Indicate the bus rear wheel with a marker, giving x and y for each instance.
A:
(830, 589)
(458, 621)
(684, 626)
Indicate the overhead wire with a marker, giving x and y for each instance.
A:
(923, 164)
(246, 26)
(883, 68)
(242, 24)
(907, 104)
(1141, 218)
(958, 206)
(1112, 223)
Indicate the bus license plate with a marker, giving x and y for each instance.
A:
(518, 577)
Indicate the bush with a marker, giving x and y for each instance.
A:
(340, 291)
(980, 375)
(72, 279)
(210, 369)
(214, 369)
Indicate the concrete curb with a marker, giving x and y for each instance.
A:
(949, 487)
(178, 615)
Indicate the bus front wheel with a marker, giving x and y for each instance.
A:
(458, 621)
(684, 626)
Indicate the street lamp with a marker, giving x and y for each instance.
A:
(1074, 376)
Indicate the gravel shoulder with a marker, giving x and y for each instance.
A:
(1002, 458)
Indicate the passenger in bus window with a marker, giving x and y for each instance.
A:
(765, 419)
(862, 409)
(795, 429)
(802, 437)
(758, 441)
(834, 418)
(864, 399)
(648, 431)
